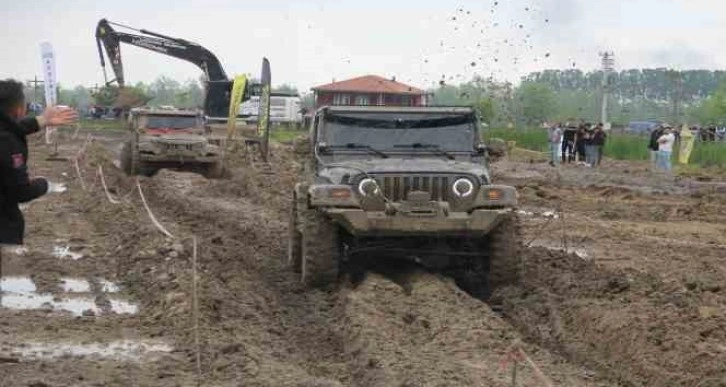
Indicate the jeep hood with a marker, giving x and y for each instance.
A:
(335, 172)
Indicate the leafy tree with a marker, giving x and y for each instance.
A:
(536, 102)
(285, 88)
(713, 109)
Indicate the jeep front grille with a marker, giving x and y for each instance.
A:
(184, 147)
(396, 188)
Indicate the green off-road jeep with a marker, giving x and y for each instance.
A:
(402, 183)
(169, 138)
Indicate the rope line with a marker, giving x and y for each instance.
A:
(105, 187)
(151, 214)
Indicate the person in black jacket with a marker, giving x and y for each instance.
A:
(15, 185)
(598, 141)
(568, 144)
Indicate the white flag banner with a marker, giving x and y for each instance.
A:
(50, 81)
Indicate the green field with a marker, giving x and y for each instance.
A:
(618, 146)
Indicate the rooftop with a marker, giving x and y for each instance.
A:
(371, 84)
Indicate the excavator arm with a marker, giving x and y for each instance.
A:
(218, 86)
(109, 39)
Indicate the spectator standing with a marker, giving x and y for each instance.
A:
(15, 184)
(721, 133)
(665, 149)
(590, 149)
(599, 138)
(555, 139)
(568, 144)
(580, 142)
(653, 146)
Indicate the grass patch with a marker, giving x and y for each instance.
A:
(627, 147)
(532, 139)
(282, 134)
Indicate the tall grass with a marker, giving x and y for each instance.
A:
(618, 146)
(531, 139)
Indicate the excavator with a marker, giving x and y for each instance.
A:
(218, 86)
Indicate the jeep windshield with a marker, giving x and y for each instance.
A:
(389, 132)
(169, 122)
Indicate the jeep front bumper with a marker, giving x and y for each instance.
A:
(379, 223)
(178, 158)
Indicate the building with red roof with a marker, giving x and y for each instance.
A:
(369, 90)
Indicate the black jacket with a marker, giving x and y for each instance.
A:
(15, 186)
(599, 137)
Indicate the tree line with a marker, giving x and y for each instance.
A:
(164, 91)
(694, 96)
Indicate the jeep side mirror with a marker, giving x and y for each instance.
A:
(481, 148)
(322, 147)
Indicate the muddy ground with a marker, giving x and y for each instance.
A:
(623, 286)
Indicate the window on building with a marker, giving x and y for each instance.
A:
(405, 100)
(361, 100)
(341, 99)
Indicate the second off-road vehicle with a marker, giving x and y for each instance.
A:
(402, 182)
(170, 138)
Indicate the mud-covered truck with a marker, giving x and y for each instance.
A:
(170, 138)
(402, 183)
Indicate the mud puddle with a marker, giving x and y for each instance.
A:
(123, 350)
(20, 293)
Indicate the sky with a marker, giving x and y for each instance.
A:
(420, 42)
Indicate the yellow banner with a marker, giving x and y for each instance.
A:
(687, 140)
(238, 90)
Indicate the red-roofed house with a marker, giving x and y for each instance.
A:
(369, 90)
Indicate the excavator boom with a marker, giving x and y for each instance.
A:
(110, 39)
(216, 103)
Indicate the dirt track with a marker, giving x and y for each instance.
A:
(638, 300)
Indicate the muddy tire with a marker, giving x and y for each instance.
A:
(320, 249)
(147, 171)
(130, 158)
(125, 158)
(214, 170)
(131, 163)
(294, 245)
(505, 259)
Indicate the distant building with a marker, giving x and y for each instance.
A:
(369, 90)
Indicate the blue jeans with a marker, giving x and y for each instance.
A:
(591, 154)
(555, 153)
(663, 160)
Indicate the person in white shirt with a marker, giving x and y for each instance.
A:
(665, 149)
(555, 144)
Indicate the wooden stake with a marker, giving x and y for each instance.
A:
(195, 311)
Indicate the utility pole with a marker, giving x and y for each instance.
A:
(677, 94)
(35, 82)
(608, 66)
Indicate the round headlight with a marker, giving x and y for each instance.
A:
(368, 187)
(463, 187)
